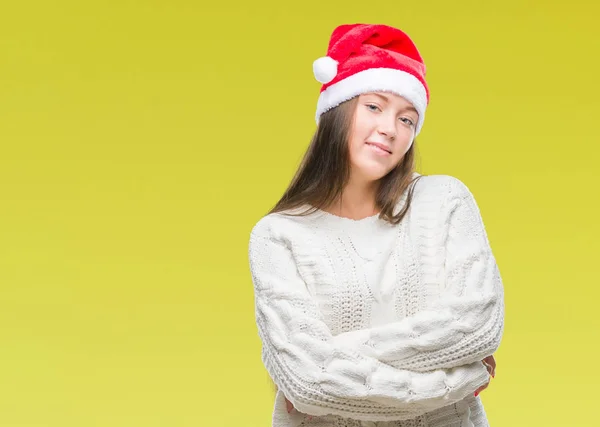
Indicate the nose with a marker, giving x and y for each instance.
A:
(387, 129)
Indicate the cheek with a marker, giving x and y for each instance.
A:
(363, 124)
(354, 148)
(402, 147)
(358, 137)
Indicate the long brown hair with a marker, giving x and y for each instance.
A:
(325, 170)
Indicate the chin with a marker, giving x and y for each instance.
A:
(374, 175)
(370, 171)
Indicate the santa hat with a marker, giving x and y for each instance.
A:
(367, 58)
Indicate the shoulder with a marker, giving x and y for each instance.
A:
(439, 195)
(440, 189)
(280, 227)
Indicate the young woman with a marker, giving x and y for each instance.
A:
(378, 299)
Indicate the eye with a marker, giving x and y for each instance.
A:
(407, 121)
(372, 107)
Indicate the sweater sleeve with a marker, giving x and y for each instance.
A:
(465, 323)
(322, 378)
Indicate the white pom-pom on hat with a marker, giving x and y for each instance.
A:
(325, 69)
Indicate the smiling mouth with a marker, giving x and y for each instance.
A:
(379, 147)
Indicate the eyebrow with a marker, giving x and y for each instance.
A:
(385, 98)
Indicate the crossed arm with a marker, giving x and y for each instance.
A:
(395, 371)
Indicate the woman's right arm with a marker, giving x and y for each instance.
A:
(320, 377)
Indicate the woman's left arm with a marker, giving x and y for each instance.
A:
(465, 324)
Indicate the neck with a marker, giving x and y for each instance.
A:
(357, 201)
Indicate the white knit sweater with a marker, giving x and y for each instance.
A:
(364, 323)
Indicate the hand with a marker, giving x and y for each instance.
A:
(490, 364)
(290, 407)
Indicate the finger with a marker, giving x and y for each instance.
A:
(288, 405)
(492, 362)
(481, 388)
(492, 370)
(488, 367)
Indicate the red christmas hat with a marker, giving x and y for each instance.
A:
(367, 58)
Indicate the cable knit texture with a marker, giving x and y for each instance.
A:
(365, 323)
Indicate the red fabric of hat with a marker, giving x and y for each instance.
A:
(366, 58)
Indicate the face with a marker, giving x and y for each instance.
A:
(383, 131)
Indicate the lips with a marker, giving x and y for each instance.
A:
(381, 146)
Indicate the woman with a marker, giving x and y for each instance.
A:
(378, 299)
